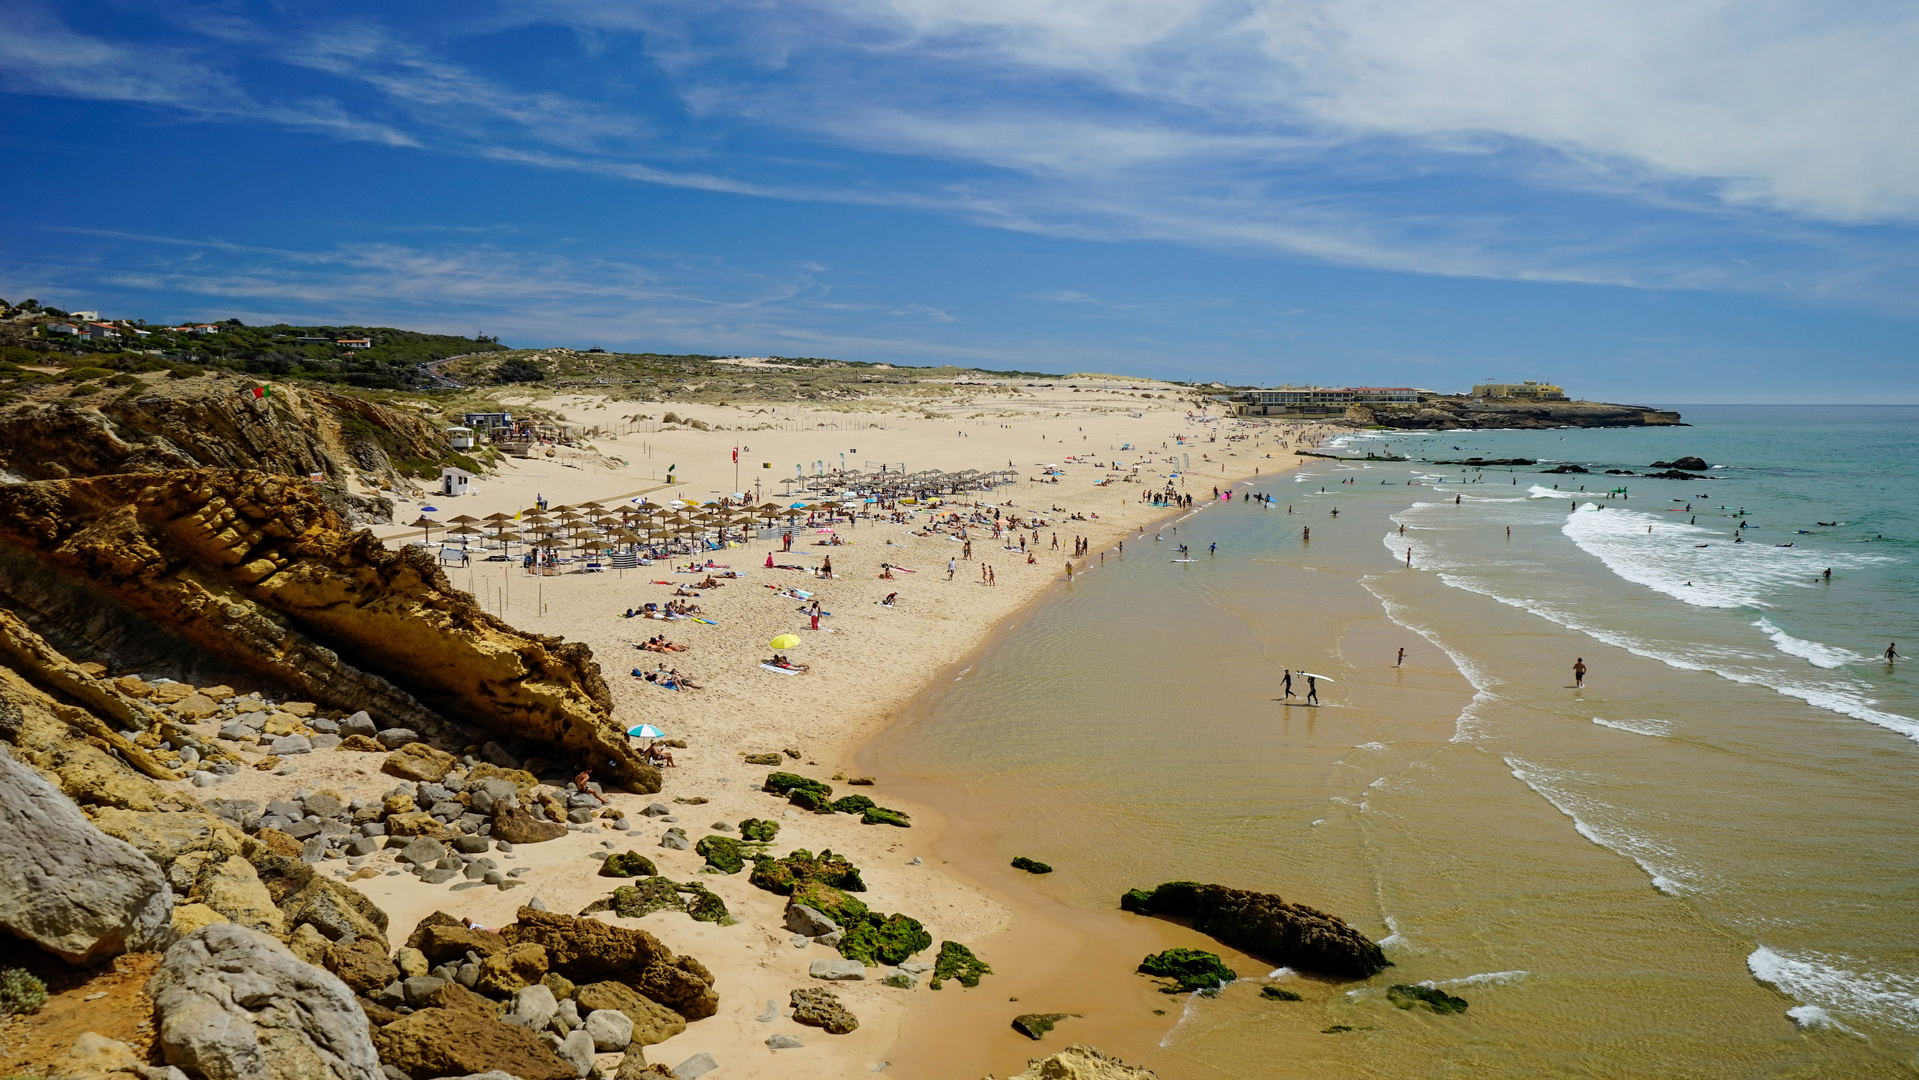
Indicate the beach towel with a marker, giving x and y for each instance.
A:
(781, 670)
(708, 622)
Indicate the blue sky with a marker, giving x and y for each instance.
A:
(1658, 200)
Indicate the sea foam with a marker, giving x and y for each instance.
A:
(1657, 729)
(1834, 984)
(1815, 653)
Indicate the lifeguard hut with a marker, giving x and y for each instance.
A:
(455, 481)
(459, 437)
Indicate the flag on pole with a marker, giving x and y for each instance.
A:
(262, 391)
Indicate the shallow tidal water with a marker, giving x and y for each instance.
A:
(1705, 863)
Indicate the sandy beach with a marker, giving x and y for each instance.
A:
(868, 666)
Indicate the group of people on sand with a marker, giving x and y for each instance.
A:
(673, 610)
(658, 643)
(667, 678)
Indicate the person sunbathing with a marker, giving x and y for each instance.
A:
(780, 661)
(888, 602)
(681, 591)
(660, 757)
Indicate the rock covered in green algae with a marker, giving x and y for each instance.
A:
(1035, 1025)
(853, 804)
(1278, 993)
(723, 853)
(659, 894)
(956, 961)
(783, 874)
(876, 941)
(785, 783)
(880, 815)
(763, 759)
(759, 830)
(627, 864)
(1190, 969)
(1031, 866)
(1264, 925)
(1439, 1001)
(828, 901)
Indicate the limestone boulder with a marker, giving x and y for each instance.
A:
(457, 1042)
(1081, 1063)
(519, 965)
(587, 950)
(609, 1029)
(441, 937)
(418, 761)
(652, 1021)
(234, 1004)
(361, 964)
(821, 1008)
(68, 887)
(303, 895)
(515, 826)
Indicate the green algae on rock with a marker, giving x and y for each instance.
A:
(627, 864)
(1190, 969)
(876, 941)
(1265, 926)
(1031, 866)
(956, 961)
(783, 874)
(1439, 1001)
(723, 853)
(759, 830)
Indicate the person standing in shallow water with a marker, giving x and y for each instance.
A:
(1579, 672)
(1287, 685)
(1312, 690)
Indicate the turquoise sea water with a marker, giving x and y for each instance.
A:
(1704, 863)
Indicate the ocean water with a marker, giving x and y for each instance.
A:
(1703, 863)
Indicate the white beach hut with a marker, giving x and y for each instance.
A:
(455, 481)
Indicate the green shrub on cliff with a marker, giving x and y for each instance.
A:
(20, 992)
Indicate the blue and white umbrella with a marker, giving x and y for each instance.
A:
(645, 731)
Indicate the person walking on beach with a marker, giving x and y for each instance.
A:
(1579, 672)
(1312, 690)
(1401, 662)
(1287, 685)
(951, 568)
(1069, 569)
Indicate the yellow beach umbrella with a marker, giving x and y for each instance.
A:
(785, 641)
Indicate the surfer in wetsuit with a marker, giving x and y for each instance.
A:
(1287, 685)
(1312, 690)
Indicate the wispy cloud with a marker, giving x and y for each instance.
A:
(1671, 144)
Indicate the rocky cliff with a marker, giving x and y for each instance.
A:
(248, 573)
(1465, 412)
(216, 422)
